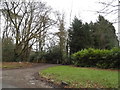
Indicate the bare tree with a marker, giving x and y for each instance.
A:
(110, 7)
(62, 34)
(28, 24)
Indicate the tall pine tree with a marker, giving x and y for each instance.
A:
(100, 34)
(79, 36)
(104, 34)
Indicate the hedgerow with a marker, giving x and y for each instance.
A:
(97, 58)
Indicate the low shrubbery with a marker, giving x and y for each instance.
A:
(38, 57)
(8, 50)
(97, 58)
(53, 55)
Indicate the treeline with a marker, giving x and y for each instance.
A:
(28, 25)
(99, 35)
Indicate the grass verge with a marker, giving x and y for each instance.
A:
(81, 77)
(12, 65)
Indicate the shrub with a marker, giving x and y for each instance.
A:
(8, 50)
(53, 55)
(37, 57)
(97, 58)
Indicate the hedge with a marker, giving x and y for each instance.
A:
(97, 58)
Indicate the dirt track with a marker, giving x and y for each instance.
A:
(24, 78)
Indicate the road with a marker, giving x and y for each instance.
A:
(4, 85)
(24, 78)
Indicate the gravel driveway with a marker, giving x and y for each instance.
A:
(24, 78)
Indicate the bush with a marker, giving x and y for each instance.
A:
(37, 57)
(8, 50)
(53, 55)
(97, 58)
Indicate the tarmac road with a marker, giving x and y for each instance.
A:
(24, 78)
(4, 85)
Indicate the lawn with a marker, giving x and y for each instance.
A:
(11, 65)
(78, 77)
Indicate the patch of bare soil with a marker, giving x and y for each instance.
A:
(47, 81)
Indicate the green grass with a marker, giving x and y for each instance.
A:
(82, 77)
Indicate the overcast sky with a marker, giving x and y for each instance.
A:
(83, 9)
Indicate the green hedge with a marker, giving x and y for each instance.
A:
(97, 58)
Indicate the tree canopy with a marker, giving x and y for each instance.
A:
(100, 34)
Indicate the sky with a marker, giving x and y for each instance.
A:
(83, 9)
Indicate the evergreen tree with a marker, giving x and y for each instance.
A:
(104, 34)
(100, 34)
(79, 36)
